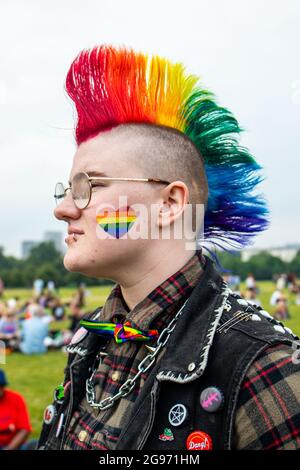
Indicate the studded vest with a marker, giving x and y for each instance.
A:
(216, 339)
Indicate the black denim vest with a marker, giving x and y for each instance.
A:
(197, 356)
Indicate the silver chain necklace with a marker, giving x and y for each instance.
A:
(129, 385)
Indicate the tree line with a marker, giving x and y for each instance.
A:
(46, 262)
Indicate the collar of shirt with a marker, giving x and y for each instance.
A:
(156, 310)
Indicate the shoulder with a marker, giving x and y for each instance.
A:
(268, 413)
(15, 397)
(252, 320)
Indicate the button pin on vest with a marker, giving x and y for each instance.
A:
(49, 414)
(178, 415)
(199, 440)
(212, 399)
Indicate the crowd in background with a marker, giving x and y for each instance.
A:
(31, 327)
(279, 304)
(28, 327)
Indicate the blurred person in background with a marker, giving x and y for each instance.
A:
(281, 282)
(281, 309)
(251, 296)
(58, 309)
(250, 281)
(76, 307)
(51, 286)
(9, 329)
(38, 285)
(14, 418)
(34, 331)
(2, 309)
(277, 294)
(292, 283)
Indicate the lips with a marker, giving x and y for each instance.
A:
(75, 230)
(73, 235)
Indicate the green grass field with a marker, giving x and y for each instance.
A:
(37, 376)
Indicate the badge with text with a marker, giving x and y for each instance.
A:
(199, 440)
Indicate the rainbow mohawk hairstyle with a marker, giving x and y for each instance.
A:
(112, 86)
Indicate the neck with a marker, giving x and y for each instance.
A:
(156, 266)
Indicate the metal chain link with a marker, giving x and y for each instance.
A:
(143, 366)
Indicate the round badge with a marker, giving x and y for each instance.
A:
(79, 335)
(199, 440)
(177, 414)
(49, 414)
(211, 399)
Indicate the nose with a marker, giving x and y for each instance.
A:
(67, 209)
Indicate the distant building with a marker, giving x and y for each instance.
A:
(285, 253)
(56, 238)
(27, 246)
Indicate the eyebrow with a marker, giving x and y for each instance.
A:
(91, 173)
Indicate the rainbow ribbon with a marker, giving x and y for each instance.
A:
(121, 332)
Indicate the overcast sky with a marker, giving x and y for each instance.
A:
(247, 52)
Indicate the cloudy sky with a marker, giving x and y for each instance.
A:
(247, 52)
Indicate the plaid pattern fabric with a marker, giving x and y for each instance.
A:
(268, 415)
(93, 429)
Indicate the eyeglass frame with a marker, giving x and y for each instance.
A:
(105, 178)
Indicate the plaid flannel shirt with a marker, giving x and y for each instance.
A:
(267, 416)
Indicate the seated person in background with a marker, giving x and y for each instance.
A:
(281, 310)
(58, 309)
(34, 332)
(9, 329)
(32, 307)
(277, 294)
(14, 419)
(76, 305)
(250, 296)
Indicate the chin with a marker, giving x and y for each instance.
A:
(74, 264)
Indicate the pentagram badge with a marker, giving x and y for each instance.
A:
(177, 414)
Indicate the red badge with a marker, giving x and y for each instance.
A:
(199, 440)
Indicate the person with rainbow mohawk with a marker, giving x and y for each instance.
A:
(173, 360)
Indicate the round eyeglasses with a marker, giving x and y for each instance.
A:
(82, 184)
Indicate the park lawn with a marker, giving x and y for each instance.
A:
(37, 376)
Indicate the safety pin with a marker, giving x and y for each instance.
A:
(237, 317)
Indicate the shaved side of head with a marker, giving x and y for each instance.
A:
(168, 154)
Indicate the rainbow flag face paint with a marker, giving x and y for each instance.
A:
(116, 223)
